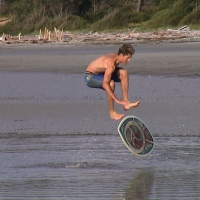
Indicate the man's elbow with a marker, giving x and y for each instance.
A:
(104, 85)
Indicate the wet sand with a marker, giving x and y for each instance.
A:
(174, 59)
(58, 142)
(42, 88)
(62, 103)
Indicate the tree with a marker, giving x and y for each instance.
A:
(139, 5)
(56, 7)
(3, 7)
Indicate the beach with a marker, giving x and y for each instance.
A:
(174, 59)
(58, 142)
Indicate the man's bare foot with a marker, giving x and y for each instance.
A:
(131, 105)
(116, 116)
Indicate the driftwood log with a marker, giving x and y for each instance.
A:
(47, 36)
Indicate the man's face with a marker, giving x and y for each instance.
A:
(126, 58)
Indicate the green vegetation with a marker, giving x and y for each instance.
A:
(176, 14)
(99, 15)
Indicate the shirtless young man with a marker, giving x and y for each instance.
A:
(103, 72)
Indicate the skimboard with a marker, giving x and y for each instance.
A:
(136, 136)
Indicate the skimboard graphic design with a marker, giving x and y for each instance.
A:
(136, 136)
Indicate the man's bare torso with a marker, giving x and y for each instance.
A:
(100, 64)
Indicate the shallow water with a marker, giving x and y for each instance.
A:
(57, 141)
(97, 166)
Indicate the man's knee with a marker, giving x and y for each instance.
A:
(123, 73)
(112, 84)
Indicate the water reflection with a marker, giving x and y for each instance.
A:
(140, 186)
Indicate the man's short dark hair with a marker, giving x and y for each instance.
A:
(126, 49)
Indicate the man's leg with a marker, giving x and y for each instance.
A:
(124, 80)
(113, 113)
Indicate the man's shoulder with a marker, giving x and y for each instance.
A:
(111, 55)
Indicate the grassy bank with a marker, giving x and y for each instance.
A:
(31, 17)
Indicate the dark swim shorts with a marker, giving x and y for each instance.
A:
(96, 80)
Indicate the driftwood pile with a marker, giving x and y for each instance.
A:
(48, 36)
(182, 33)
